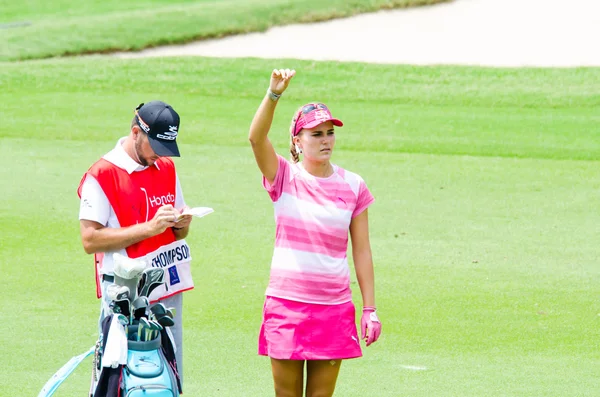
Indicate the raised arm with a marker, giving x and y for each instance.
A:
(264, 153)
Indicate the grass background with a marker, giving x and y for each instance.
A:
(40, 29)
(483, 232)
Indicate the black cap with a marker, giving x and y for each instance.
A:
(161, 123)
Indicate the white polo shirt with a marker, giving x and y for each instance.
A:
(94, 205)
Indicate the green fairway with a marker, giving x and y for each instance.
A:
(41, 29)
(484, 232)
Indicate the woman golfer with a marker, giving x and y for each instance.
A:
(308, 314)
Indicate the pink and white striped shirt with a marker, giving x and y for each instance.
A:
(312, 217)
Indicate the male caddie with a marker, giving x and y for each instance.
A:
(131, 203)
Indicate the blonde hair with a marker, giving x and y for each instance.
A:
(295, 155)
(293, 152)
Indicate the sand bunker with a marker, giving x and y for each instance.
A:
(509, 33)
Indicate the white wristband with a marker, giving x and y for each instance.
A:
(273, 96)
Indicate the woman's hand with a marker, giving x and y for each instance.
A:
(370, 326)
(280, 79)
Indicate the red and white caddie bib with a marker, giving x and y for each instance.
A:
(135, 198)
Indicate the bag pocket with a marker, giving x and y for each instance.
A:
(146, 364)
(150, 391)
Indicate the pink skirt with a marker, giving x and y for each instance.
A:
(304, 331)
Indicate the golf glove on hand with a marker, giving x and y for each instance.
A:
(370, 326)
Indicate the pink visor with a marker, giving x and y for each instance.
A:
(313, 114)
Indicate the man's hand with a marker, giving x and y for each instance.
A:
(184, 220)
(165, 217)
(280, 78)
(370, 326)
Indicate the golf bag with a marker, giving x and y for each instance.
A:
(135, 355)
(149, 371)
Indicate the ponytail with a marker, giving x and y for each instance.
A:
(293, 152)
(295, 156)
